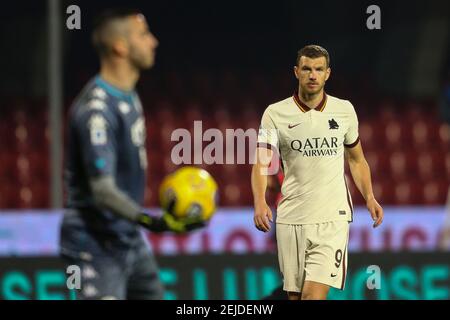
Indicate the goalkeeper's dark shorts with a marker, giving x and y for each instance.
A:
(110, 269)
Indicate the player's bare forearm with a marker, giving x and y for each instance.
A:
(361, 175)
(263, 214)
(107, 195)
(259, 184)
(360, 171)
(259, 178)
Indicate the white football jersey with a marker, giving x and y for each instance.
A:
(311, 145)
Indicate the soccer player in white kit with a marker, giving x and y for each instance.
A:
(312, 132)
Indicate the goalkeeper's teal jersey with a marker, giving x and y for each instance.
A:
(106, 136)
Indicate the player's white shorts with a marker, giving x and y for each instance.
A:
(313, 252)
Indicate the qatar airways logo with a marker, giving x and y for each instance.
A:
(316, 147)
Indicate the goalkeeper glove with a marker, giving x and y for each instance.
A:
(167, 222)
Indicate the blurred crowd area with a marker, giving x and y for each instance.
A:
(405, 141)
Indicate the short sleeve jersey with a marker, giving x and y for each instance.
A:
(106, 137)
(311, 145)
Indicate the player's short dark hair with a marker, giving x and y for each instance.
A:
(313, 51)
(103, 23)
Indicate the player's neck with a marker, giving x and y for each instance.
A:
(311, 100)
(121, 76)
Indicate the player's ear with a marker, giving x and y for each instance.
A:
(120, 47)
(296, 70)
(328, 73)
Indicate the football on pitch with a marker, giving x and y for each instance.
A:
(189, 192)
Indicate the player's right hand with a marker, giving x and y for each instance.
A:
(167, 222)
(182, 225)
(263, 217)
(376, 211)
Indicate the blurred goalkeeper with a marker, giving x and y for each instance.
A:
(105, 170)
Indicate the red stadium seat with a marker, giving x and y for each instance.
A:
(384, 191)
(229, 84)
(425, 166)
(413, 113)
(447, 165)
(6, 200)
(27, 168)
(408, 192)
(387, 112)
(22, 141)
(40, 195)
(430, 165)
(20, 115)
(165, 137)
(37, 136)
(215, 170)
(168, 165)
(434, 127)
(396, 135)
(153, 140)
(230, 172)
(155, 162)
(191, 112)
(24, 197)
(435, 192)
(367, 136)
(444, 137)
(7, 165)
(402, 165)
(151, 196)
(221, 112)
(379, 163)
(202, 86)
(230, 195)
(22, 169)
(425, 134)
(246, 195)
(164, 113)
(248, 113)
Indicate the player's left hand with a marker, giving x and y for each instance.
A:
(376, 211)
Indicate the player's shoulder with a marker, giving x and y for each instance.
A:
(92, 99)
(93, 104)
(339, 104)
(280, 106)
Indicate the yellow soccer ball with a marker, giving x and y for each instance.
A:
(192, 192)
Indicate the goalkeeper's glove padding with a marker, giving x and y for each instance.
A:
(167, 222)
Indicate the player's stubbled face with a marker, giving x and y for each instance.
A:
(312, 74)
(142, 43)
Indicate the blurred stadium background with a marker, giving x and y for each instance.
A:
(223, 62)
